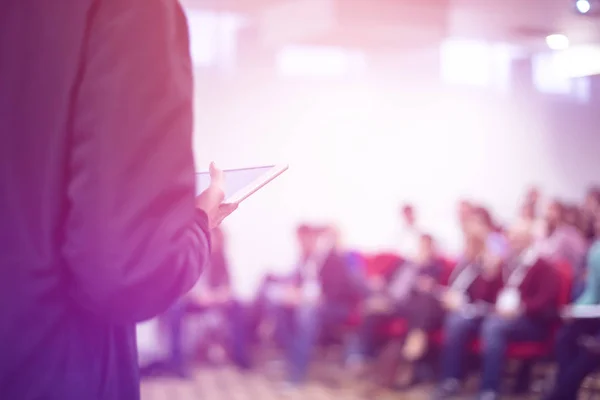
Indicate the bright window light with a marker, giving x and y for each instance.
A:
(466, 62)
(213, 37)
(557, 42)
(309, 61)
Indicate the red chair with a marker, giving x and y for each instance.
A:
(382, 264)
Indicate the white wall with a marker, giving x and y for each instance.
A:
(357, 150)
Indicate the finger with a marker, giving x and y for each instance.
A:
(228, 208)
(216, 174)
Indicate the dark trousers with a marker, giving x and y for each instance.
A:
(299, 330)
(496, 334)
(575, 363)
(237, 329)
(421, 311)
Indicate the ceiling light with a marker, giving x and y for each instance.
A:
(583, 6)
(557, 41)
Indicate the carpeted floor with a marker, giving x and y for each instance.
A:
(227, 383)
(328, 381)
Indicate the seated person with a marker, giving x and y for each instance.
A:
(410, 295)
(211, 293)
(525, 309)
(319, 297)
(578, 342)
(590, 214)
(564, 242)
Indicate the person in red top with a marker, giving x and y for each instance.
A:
(473, 288)
(524, 309)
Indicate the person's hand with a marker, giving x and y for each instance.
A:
(205, 298)
(376, 283)
(211, 200)
(590, 343)
(222, 295)
(452, 300)
(425, 284)
(508, 313)
(377, 304)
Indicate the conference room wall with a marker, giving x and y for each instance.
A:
(357, 150)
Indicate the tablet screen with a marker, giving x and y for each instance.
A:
(240, 183)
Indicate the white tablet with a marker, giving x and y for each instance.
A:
(243, 182)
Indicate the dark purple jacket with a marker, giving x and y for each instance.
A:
(98, 228)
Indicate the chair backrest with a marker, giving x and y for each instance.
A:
(382, 264)
(565, 273)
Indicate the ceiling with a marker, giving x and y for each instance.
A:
(523, 23)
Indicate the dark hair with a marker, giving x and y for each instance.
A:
(560, 207)
(427, 238)
(594, 192)
(408, 208)
(483, 214)
(304, 229)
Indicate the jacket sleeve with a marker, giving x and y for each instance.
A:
(545, 289)
(134, 240)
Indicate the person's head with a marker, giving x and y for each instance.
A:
(528, 211)
(480, 223)
(592, 200)
(572, 215)
(306, 239)
(464, 210)
(408, 214)
(217, 238)
(533, 196)
(426, 249)
(555, 215)
(520, 238)
(334, 234)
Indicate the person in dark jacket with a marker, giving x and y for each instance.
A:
(410, 296)
(211, 295)
(100, 224)
(318, 296)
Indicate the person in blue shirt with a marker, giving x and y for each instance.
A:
(577, 349)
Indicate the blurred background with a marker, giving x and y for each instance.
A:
(377, 102)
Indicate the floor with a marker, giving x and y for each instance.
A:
(328, 381)
(227, 383)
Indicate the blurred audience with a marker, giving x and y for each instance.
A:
(590, 213)
(505, 288)
(578, 342)
(564, 241)
(212, 301)
(319, 296)
(409, 235)
(411, 295)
